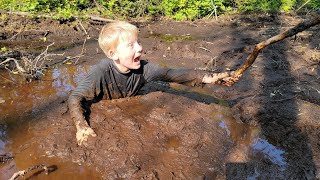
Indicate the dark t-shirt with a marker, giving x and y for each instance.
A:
(105, 81)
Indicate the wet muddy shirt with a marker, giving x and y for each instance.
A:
(105, 81)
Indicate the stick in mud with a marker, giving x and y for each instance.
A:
(24, 172)
(229, 81)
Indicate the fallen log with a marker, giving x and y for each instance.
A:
(236, 75)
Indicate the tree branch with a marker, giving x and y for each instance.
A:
(229, 81)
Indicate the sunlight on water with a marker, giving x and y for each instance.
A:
(18, 97)
(223, 125)
(251, 144)
(269, 151)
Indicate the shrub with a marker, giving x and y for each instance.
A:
(176, 9)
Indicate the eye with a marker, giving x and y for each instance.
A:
(130, 44)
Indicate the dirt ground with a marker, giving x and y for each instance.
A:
(171, 131)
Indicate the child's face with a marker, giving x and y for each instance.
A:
(128, 52)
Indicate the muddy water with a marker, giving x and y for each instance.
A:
(22, 105)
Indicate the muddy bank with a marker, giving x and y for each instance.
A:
(270, 130)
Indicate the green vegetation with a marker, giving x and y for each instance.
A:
(176, 9)
(170, 38)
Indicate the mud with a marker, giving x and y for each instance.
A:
(264, 127)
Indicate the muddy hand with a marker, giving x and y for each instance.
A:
(230, 80)
(216, 77)
(83, 134)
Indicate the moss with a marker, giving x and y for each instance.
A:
(170, 38)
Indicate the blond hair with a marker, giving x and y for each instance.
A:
(112, 33)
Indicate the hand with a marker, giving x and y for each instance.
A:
(216, 77)
(83, 134)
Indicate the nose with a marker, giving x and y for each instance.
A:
(138, 47)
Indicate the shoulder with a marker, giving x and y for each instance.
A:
(145, 64)
(98, 71)
(103, 65)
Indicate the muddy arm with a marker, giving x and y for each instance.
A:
(215, 78)
(190, 77)
(88, 91)
(76, 112)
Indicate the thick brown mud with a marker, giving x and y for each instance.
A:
(264, 127)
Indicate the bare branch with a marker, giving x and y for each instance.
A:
(30, 68)
(229, 81)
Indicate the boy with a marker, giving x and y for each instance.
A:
(123, 74)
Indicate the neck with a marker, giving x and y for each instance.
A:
(121, 68)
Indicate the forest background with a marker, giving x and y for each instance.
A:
(171, 9)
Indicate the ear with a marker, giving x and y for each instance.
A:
(112, 55)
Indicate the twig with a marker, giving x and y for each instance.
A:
(70, 58)
(101, 19)
(286, 99)
(23, 172)
(44, 53)
(82, 50)
(314, 89)
(205, 49)
(213, 11)
(8, 79)
(303, 5)
(99, 5)
(30, 68)
(210, 66)
(20, 69)
(83, 28)
(20, 31)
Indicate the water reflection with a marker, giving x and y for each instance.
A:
(275, 155)
(18, 97)
(250, 145)
(248, 142)
(18, 102)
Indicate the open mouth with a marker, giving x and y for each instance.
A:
(137, 59)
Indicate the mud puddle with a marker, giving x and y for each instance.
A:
(21, 103)
(178, 132)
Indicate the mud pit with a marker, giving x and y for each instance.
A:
(266, 126)
(153, 136)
